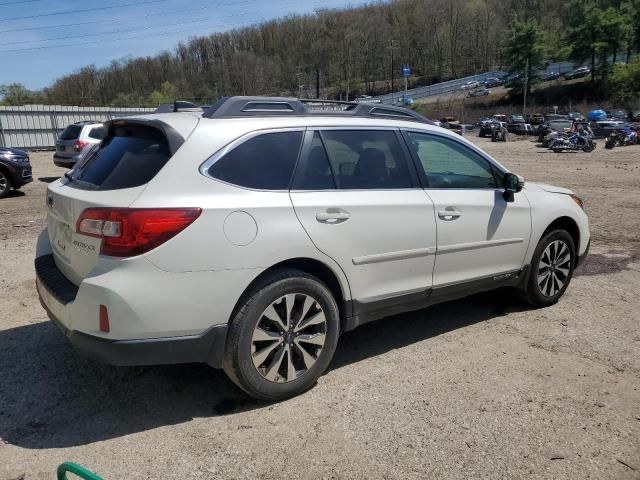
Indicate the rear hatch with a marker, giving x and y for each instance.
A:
(113, 176)
(66, 141)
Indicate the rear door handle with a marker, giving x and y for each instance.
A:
(333, 216)
(449, 213)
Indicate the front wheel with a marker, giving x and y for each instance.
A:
(5, 184)
(551, 269)
(283, 336)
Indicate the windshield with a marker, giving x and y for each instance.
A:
(559, 125)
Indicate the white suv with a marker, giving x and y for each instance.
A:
(251, 235)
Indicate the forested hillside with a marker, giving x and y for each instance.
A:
(352, 50)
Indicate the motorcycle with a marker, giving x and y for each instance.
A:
(625, 137)
(576, 141)
(611, 140)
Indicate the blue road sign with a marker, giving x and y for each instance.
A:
(406, 70)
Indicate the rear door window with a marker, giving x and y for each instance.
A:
(130, 156)
(367, 159)
(263, 162)
(71, 132)
(314, 170)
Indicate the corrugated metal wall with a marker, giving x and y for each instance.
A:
(38, 126)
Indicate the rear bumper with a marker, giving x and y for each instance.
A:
(66, 162)
(207, 347)
(74, 310)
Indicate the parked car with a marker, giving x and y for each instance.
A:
(479, 92)
(470, 85)
(15, 170)
(618, 115)
(603, 129)
(513, 119)
(500, 117)
(521, 129)
(513, 79)
(635, 116)
(576, 116)
(252, 245)
(549, 117)
(485, 126)
(535, 118)
(561, 125)
(84, 154)
(577, 73)
(492, 82)
(73, 139)
(547, 77)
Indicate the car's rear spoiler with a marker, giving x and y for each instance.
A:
(174, 139)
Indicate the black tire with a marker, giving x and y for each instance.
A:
(534, 294)
(238, 358)
(5, 184)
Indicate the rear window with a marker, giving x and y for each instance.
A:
(71, 132)
(130, 156)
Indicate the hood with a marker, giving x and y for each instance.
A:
(12, 152)
(550, 188)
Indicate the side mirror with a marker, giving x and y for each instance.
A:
(512, 184)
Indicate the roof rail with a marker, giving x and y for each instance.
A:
(241, 106)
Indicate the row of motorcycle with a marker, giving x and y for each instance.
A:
(582, 140)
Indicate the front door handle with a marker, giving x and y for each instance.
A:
(333, 216)
(449, 213)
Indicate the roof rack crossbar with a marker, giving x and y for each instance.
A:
(178, 106)
(244, 106)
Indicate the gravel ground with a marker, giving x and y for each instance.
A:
(481, 388)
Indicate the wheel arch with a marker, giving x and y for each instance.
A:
(4, 169)
(339, 289)
(568, 224)
(8, 174)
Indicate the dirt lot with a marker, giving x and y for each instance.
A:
(481, 388)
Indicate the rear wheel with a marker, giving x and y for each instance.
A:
(551, 269)
(283, 336)
(5, 184)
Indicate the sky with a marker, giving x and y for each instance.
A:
(41, 40)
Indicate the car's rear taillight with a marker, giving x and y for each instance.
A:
(126, 232)
(79, 145)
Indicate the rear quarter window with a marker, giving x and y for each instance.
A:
(98, 133)
(263, 162)
(130, 156)
(71, 132)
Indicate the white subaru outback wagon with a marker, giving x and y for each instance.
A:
(251, 234)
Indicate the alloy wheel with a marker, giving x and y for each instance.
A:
(288, 338)
(4, 184)
(554, 268)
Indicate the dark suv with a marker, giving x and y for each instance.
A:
(15, 170)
